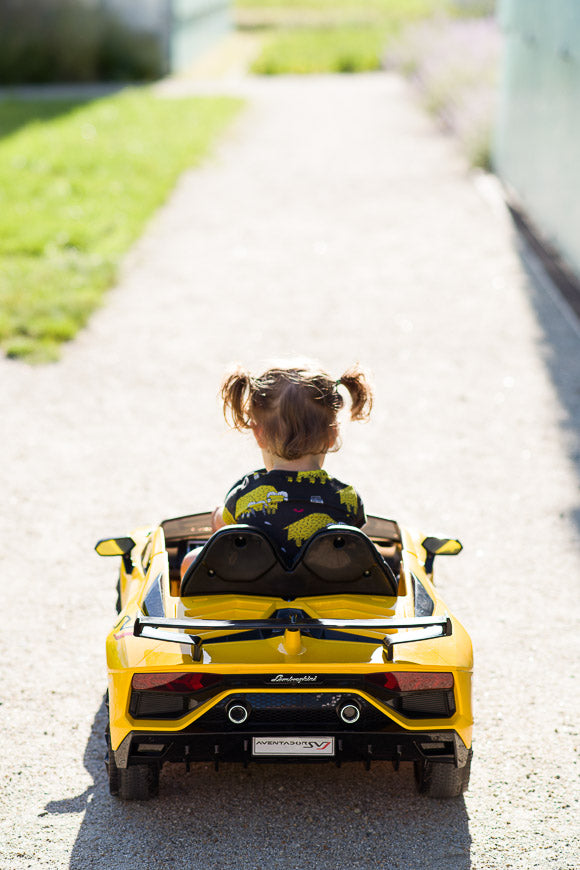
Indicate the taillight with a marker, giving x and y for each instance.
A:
(182, 682)
(411, 681)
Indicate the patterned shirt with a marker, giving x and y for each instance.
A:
(290, 506)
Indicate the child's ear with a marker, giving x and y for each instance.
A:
(258, 435)
(332, 437)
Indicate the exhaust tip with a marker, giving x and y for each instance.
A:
(349, 712)
(237, 712)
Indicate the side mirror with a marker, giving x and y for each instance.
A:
(114, 546)
(439, 547)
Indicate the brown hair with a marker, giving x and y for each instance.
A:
(295, 407)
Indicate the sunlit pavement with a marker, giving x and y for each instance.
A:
(334, 221)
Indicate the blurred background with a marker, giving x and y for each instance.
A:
(334, 192)
(502, 77)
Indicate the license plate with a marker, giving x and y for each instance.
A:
(293, 746)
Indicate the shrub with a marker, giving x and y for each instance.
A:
(454, 64)
(45, 41)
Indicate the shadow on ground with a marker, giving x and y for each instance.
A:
(267, 816)
(20, 107)
(560, 351)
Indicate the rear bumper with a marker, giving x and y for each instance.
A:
(159, 747)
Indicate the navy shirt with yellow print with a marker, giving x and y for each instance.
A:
(290, 506)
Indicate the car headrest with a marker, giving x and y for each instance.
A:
(344, 554)
(233, 554)
(242, 560)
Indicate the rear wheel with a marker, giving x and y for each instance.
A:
(113, 772)
(138, 783)
(439, 780)
(112, 769)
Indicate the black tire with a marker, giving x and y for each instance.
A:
(113, 772)
(439, 780)
(112, 769)
(138, 783)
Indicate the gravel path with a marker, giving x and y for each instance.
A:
(336, 222)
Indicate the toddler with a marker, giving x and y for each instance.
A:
(292, 413)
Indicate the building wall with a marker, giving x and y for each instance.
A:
(148, 15)
(537, 144)
(184, 28)
(195, 25)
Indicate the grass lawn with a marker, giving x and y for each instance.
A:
(334, 11)
(322, 50)
(328, 36)
(78, 182)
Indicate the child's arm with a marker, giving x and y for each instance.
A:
(387, 552)
(217, 518)
(217, 522)
(223, 514)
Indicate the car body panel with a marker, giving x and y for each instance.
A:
(339, 661)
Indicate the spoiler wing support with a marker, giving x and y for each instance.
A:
(141, 628)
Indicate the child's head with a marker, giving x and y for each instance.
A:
(293, 410)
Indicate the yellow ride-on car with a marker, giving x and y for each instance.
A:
(346, 655)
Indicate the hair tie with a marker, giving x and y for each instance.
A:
(337, 383)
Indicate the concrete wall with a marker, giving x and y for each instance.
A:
(537, 145)
(196, 24)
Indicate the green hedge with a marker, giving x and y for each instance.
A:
(44, 41)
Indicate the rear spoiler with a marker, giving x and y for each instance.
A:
(155, 628)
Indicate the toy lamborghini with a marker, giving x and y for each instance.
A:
(348, 654)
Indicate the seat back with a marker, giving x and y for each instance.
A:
(233, 561)
(344, 561)
(241, 560)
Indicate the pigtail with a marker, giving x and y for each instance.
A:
(236, 393)
(295, 408)
(358, 385)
